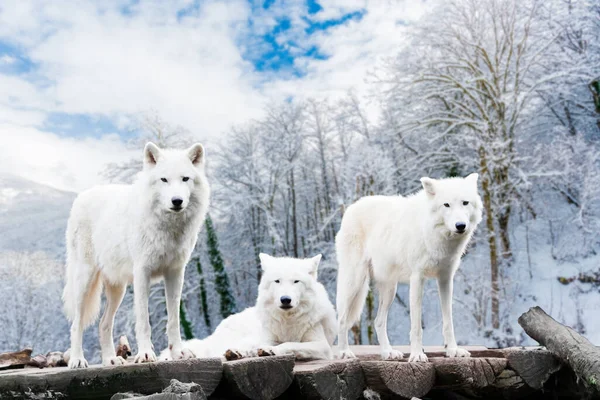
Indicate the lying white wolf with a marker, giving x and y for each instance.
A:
(392, 239)
(293, 315)
(119, 234)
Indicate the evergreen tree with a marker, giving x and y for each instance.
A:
(185, 324)
(203, 302)
(221, 280)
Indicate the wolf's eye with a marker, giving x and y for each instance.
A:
(296, 281)
(277, 281)
(465, 203)
(186, 178)
(446, 205)
(163, 179)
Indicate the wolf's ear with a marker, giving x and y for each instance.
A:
(264, 261)
(314, 265)
(151, 154)
(196, 154)
(472, 178)
(428, 185)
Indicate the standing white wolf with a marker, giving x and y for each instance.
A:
(121, 234)
(392, 239)
(293, 315)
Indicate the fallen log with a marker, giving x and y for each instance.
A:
(103, 382)
(17, 359)
(175, 391)
(329, 379)
(39, 361)
(569, 346)
(399, 378)
(534, 366)
(256, 378)
(468, 375)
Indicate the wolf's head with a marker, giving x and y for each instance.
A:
(173, 175)
(455, 204)
(287, 283)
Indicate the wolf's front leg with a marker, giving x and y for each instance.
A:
(141, 291)
(314, 345)
(416, 329)
(445, 288)
(318, 350)
(173, 288)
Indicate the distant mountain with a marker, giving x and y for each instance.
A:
(33, 216)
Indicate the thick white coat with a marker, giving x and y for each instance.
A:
(391, 239)
(123, 234)
(307, 329)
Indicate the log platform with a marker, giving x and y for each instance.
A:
(489, 373)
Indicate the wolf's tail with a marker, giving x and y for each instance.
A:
(83, 285)
(353, 278)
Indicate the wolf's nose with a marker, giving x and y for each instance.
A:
(177, 201)
(460, 226)
(285, 300)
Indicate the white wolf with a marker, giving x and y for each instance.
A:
(119, 234)
(293, 315)
(391, 239)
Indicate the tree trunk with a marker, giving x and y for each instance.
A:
(370, 308)
(203, 300)
(569, 346)
(489, 219)
(357, 333)
(294, 215)
(503, 220)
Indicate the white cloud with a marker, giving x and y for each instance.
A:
(65, 163)
(353, 49)
(7, 59)
(92, 58)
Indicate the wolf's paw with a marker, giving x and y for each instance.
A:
(345, 354)
(266, 351)
(233, 354)
(77, 362)
(183, 353)
(391, 354)
(457, 352)
(417, 357)
(118, 360)
(145, 356)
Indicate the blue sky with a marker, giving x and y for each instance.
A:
(76, 74)
(279, 49)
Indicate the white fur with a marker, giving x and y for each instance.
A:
(306, 330)
(122, 234)
(391, 239)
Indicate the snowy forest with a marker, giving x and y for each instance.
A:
(506, 88)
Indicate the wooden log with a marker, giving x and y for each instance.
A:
(257, 378)
(175, 391)
(399, 378)
(329, 379)
(39, 361)
(566, 344)
(534, 366)
(17, 359)
(103, 382)
(467, 374)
